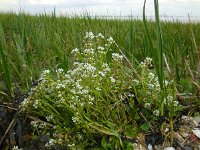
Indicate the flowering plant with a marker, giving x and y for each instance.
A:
(94, 99)
(149, 93)
(86, 96)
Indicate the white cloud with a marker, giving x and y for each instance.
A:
(8, 4)
(104, 7)
(44, 2)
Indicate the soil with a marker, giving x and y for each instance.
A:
(15, 130)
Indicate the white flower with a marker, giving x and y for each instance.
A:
(75, 51)
(60, 95)
(112, 79)
(49, 118)
(60, 85)
(117, 57)
(146, 63)
(44, 74)
(136, 81)
(100, 35)
(110, 40)
(35, 104)
(89, 51)
(142, 65)
(166, 130)
(83, 92)
(60, 70)
(102, 74)
(75, 119)
(147, 105)
(89, 35)
(50, 143)
(98, 89)
(25, 102)
(156, 112)
(89, 67)
(151, 86)
(46, 71)
(151, 76)
(166, 83)
(100, 48)
(106, 67)
(16, 148)
(131, 95)
(176, 103)
(90, 98)
(35, 124)
(73, 91)
(71, 145)
(148, 60)
(78, 86)
(170, 98)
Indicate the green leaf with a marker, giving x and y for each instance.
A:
(130, 146)
(5, 61)
(145, 127)
(104, 143)
(110, 125)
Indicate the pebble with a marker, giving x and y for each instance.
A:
(158, 147)
(195, 123)
(178, 137)
(188, 147)
(169, 148)
(197, 119)
(150, 147)
(196, 131)
(184, 135)
(138, 147)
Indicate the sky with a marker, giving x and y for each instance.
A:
(171, 8)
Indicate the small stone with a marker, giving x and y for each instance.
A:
(141, 147)
(158, 147)
(196, 131)
(169, 148)
(138, 146)
(184, 117)
(197, 119)
(188, 147)
(150, 147)
(178, 137)
(195, 123)
(184, 135)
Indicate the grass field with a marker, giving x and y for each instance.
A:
(30, 45)
(37, 42)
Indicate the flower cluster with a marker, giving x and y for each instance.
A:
(150, 89)
(117, 57)
(97, 93)
(147, 62)
(16, 148)
(50, 143)
(66, 97)
(37, 124)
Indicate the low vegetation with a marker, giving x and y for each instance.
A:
(98, 83)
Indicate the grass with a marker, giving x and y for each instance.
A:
(28, 56)
(32, 44)
(5, 62)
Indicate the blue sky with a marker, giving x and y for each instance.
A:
(104, 7)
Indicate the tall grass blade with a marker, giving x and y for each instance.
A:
(5, 60)
(152, 51)
(159, 45)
